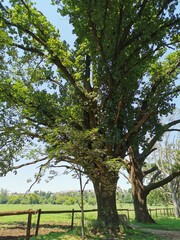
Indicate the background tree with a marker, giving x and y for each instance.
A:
(159, 196)
(3, 196)
(93, 104)
(168, 161)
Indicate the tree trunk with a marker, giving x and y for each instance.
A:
(140, 205)
(174, 186)
(105, 190)
(139, 193)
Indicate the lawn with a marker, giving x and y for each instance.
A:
(57, 218)
(62, 222)
(64, 218)
(169, 223)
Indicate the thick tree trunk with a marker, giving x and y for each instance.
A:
(140, 205)
(105, 190)
(139, 194)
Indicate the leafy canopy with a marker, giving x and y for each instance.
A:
(89, 103)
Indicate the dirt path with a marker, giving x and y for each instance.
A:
(172, 235)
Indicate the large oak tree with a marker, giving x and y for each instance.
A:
(94, 104)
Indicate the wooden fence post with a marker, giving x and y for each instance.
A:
(72, 220)
(28, 233)
(38, 221)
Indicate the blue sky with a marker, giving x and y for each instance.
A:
(18, 182)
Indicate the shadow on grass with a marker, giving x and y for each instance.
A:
(130, 235)
(23, 226)
(11, 238)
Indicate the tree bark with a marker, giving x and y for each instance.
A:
(139, 192)
(105, 191)
(174, 186)
(140, 204)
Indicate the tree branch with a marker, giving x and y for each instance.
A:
(164, 129)
(124, 175)
(158, 184)
(154, 177)
(29, 163)
(28, 49)
(99, 45)
(55, 59)
(154, 168)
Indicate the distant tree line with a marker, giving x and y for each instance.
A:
(42, 197)
(158, 197)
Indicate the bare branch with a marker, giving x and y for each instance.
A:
(154, 177)
(29, 163)
(160, 183)
(154, 168)
(124, 175)
(38, 176)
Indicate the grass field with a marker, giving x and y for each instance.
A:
(65, 219)
(45, 218)
(169, 223)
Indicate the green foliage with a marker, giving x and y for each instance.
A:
(3, 196)
(163, 224)
(65, 97)
(159, 197)
(124, 196)
(90, 103)
(41, 197)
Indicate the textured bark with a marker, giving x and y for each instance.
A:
(140, 205)
(106, 201)
(174, 186)
(139, 193)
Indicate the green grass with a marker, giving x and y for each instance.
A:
(65, 219)
(139, 235)
(45, 218)
(56, 218)
(169, 223)
(76, 235)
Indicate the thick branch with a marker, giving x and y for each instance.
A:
(158, 184)
(138, 125)
(165, 128)
(154, 168)
(134, 129)
(55, 59)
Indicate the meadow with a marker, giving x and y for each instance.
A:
(64, 221)
(64, 218)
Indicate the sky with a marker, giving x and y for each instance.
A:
(19, 182)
